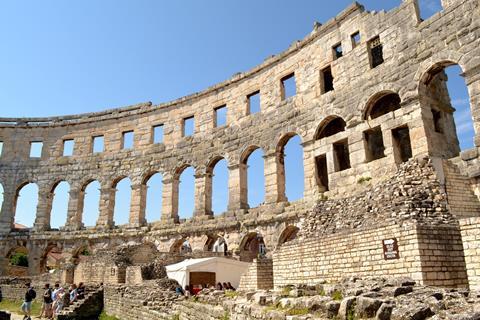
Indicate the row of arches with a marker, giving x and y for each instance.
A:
(215, 190)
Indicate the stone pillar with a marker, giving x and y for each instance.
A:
(203, 194)
(107, 203)
(7, 213)
(44, 208)
(170, 200)
(311, 188)
(137, 205)
(274, 178)
(237, 187)
(75, 209)
(472, 79)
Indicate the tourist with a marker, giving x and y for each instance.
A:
(187, 291)
(81, 290)
(55, 292)
(47, 302)
(73, 293)
(230, 287)
(179, 291)
(58, 302)
(224, 285)
(1, 296)
(219, 286)
(30, 294)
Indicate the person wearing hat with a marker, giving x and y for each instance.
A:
(30, 294)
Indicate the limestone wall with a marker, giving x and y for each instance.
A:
(470, 229)
(259, 276)
(430, 255)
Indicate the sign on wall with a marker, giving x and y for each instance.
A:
(390, 249)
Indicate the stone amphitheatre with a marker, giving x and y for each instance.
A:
(387, 191)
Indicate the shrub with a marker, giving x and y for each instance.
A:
(337, 296)
(19, 259)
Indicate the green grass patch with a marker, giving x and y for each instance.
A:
(297, 311)
(105, 316)
(364, 179)
(14, 306)
(286, 291)
(337, 296)
(231, 294)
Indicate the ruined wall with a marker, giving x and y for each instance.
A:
(259, 276)
(430, 255)
(470, 229)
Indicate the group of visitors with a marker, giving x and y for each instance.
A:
(193, 290)
(54, 300)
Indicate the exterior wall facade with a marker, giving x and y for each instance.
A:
(413, 52)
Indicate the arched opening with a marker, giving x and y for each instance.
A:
(252, 247)
(290, 233)
(381, 104)
(181, 246)
(186, 193)
(52, 259)
(329, 127)
(17, 262)
(26, 205)
(444, 94)
(291, 171)
(219, 180)
(252, 178)
(91, 203)
(153, 206)
(59, 212)
(216, 244)
(121, 213)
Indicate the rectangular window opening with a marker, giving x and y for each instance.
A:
(221, 116)
(254, 102)
(188, 126)
(376, 52)
(402, 146)
(158, 134)
(337, 51)
(356, 39)
(127, 140)
(438, 121)
(68, 147)
(374, 147)
(36, 149)
(98, 144)
(341, 155)
(321, 172)
(327, 79)
(288, 86)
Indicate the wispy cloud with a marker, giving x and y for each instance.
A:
(432, 5)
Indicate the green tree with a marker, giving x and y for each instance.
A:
(19, 259)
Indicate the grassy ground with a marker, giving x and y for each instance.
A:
(14, 306)
(104, 316)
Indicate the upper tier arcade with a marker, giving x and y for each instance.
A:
(369, 94)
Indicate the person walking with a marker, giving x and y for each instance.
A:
(47, 302)
(30, 295)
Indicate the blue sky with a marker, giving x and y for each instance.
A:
(67, 57)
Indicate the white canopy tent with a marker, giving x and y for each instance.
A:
(226, 270)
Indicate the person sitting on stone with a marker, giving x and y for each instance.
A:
(73, 293)
(81, 290)
(179, 291)
(230, 287)
(219, 286)
(187, 291)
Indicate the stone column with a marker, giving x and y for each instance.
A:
(44, 208)
(107, 203)
(311, 187)
(472, 79)
(137, 205)
(7, 213)
(237, 187)
(274, 178)
(169, 200)
(203, 194)
(75, 209)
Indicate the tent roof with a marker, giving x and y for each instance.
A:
(186, 264)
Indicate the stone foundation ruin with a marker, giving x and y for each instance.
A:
(386, 189)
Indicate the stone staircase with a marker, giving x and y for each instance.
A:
(462, 201)
(87, 308)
